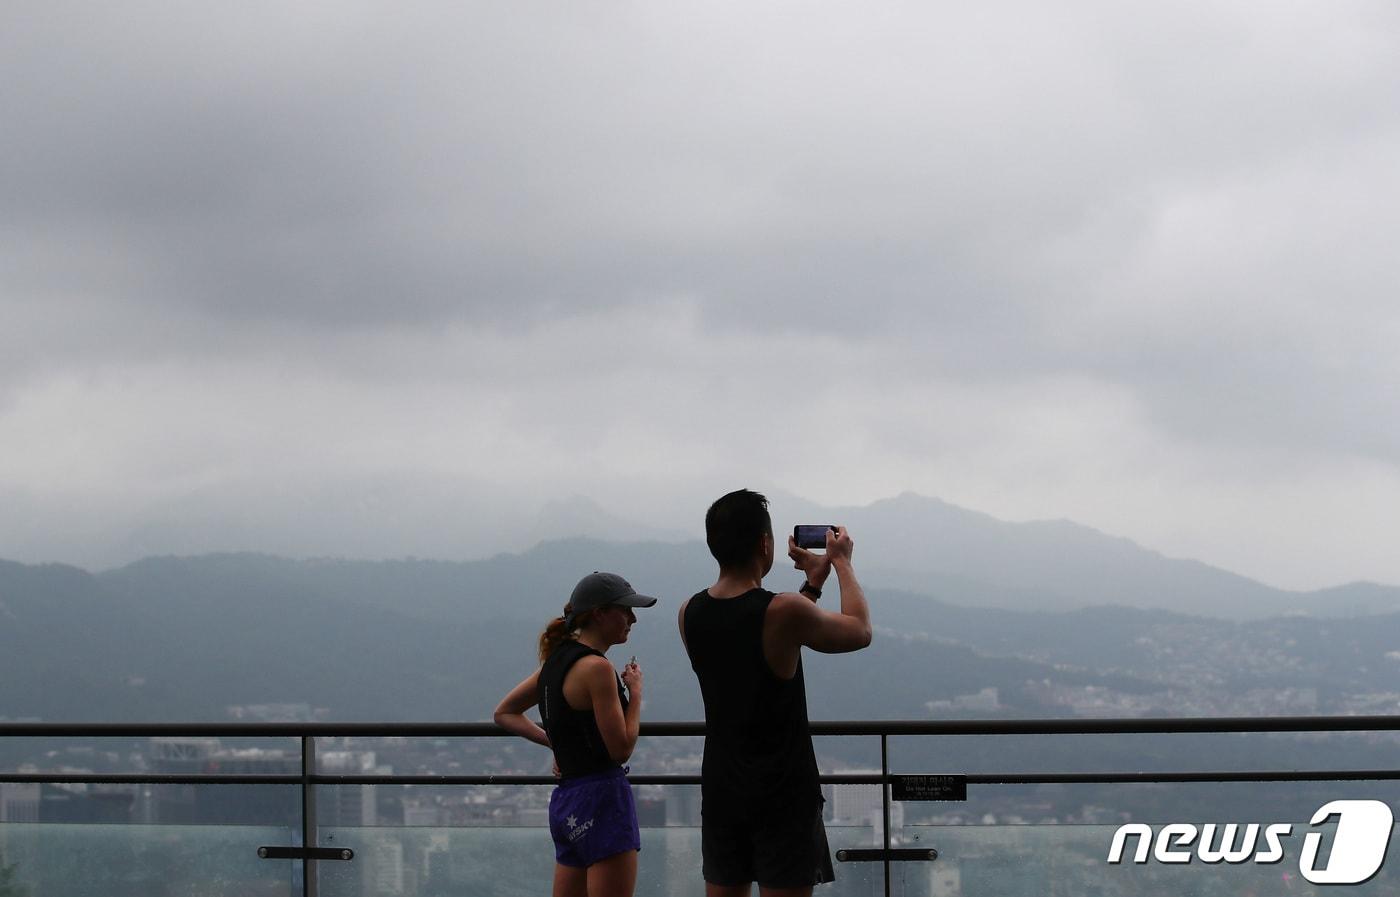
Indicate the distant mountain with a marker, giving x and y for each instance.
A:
(578, 514)
(964, 602)
(368, 517)
(969, 558)
(910, 542)
(186, 637)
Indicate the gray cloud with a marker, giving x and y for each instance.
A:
(1174, 215)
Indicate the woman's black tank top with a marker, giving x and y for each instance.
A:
(758, 748)
(573, 734)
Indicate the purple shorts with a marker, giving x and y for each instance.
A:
(593, 817)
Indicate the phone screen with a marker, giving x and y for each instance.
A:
(811, 535)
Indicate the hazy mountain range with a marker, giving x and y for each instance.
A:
(962, 603)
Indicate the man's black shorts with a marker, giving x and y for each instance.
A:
(788, 852)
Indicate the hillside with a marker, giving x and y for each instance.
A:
(185, 638)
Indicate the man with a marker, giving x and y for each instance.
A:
(761, 802)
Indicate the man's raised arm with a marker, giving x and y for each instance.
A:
(828, 631)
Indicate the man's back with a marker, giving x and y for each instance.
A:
(758, 748)
(761, 817)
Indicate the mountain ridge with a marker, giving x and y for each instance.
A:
(919, 542)
(184, 638)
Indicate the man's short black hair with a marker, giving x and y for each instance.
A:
(734, 527)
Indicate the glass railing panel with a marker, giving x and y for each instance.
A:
(510, 861)
(437, 840)
(1072, 860)
(141, 860)
(115, 839)
(400, 861)
(1058, 839)
(137, 840)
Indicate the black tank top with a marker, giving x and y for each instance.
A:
(573, 734)
(758, 748)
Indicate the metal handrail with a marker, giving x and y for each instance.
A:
(881, 728)
(1055, 726)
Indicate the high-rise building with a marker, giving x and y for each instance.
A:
(861, 806)
(266, 805)
(347, 806)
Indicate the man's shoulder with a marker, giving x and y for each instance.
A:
(789, 604)
(787, 618)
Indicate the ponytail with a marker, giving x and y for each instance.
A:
(559, 629)
(553, 634)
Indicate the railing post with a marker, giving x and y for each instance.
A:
(885, 802)
(308, 814)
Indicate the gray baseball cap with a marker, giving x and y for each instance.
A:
(600, 589)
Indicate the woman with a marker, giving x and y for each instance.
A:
(591, 724)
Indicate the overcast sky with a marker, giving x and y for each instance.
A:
(372, 279)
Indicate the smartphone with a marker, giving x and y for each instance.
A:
(811, 535)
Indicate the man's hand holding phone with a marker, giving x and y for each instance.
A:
(817, 567)
(830, 631)
(839, 546)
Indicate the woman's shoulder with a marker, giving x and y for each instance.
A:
(592, 665)
(590, 675)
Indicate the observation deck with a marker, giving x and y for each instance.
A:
(914, 808)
